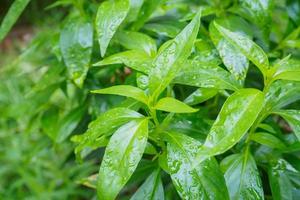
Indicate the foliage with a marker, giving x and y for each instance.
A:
(158, 99)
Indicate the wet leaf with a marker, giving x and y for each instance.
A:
(235, 61)
(268, 140)
(170, 55)
(281, 186)
(293, 119)
(136, 60)
(242, 177)
(76, 41)
(125, 90)
(206, 75)
(237, 115)
(280, 94)
(169, 104)
(103, 125)
(246, 46)
(152, 188)
(145, 12)
(201, 95)
(205, 181)
(287, 69)
(110, 15)
(137, 41)
(122, 155)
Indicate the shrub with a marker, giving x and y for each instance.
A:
(176, 99)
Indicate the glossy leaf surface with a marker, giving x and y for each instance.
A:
(293, 119)
(235, 61)
(205, 75)
(152, 188)
(103, 125)
(110, 15)
(242, 177)
(76, 41)
(287, 69)
(122, 155)
(280, 94)
(125, 90)
(200, 95)
(237, 115)
(205, 181)
(136, 60)
(251, 50)
(137, 41)
(268, 140)
(170, 55)
(173, 105)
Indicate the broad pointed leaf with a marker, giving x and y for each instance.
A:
(170, 55)
(125, 90)
(237, 115)
(235, 61)
(136, 60)
(137, 41)
(200, 95)
(280, 94)
(122, 155)
(173, 105)
(103, 125)
(280, 183)
(206, 75)
(293, 119)
(287, 69)
(110, 15)
(205, 181)
(246, 46)
(76, 41)
(242, 177)
(268, 140)
(152, 188)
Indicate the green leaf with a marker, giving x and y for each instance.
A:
(242, 177)
(152, 188)
(268, 140)
(205, 181)
(103, 125)
(166, 63)
(135, 8)
(165, 29)
(260, 13)
(235, 61)
(246, 46)
(206, 75)
(137, 41)
(109, 17)
(12, 16)
(280, 94)
(69, 122)
(145, 12)
(237, 115)
(287, 69)
(136, 60)
(169, 104)
(76, 41)
(122, 155)
(125, 90)
(280, 183)
(293, 119)
(200, 95)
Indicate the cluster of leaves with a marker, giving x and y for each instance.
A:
(211, 107)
